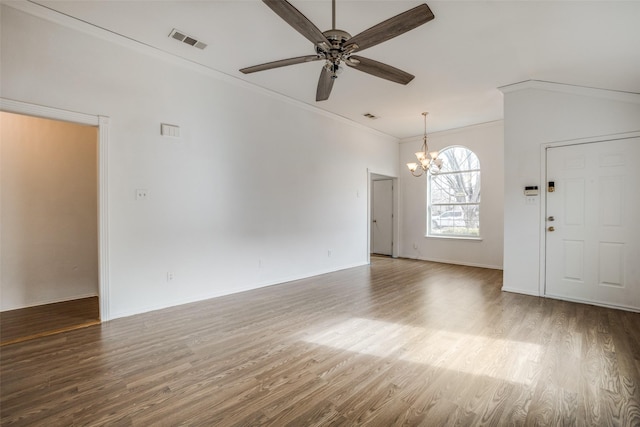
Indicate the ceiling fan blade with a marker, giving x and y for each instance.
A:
(325, 84)
(379, 69)
(392, 27)
(297, 20)
(281, 63)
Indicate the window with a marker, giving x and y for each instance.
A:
(453, 202)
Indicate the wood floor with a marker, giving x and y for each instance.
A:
(396, 343)
(49, 319)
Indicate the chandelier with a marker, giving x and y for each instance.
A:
(427, 161)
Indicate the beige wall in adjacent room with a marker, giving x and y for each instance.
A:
(49, 219)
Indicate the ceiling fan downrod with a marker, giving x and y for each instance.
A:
(333, 14)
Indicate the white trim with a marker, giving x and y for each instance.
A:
(447, 132)
(519, 291)
(456, 262)
(428, 206)
(206, 296)
(572, 90)
(52, 15)
(456, 171)
(35, 110)
(103, 216)
(395, 226)
(598, 304)
(542, 275)
(542, 225)
(102, 123)
(452, 237)
(591, 139)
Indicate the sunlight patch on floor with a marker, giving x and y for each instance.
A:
(504, 359)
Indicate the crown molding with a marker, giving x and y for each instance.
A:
(41, 11)
(572, 90)
(447, 132)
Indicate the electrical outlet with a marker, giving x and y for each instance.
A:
(169, 276)
(142, 194)
(329, 253)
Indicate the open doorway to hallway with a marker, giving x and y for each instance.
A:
(48, 226)
(382, 213)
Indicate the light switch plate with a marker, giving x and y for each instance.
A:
(169, 130)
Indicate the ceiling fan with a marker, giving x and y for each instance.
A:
(337, 46)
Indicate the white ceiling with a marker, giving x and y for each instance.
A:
(459, 59)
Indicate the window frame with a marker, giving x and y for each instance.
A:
(429, 205)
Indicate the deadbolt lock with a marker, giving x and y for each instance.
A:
(551, 218)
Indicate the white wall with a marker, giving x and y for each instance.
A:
(538, 113)
(49, 212)
(257, 190)
(486, 140)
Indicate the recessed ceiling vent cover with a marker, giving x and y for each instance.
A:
(180, 36)
(370, 116)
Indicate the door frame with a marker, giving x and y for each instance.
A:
(395, 227)
(542, 275)
(102, 122)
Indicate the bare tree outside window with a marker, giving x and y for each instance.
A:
(454, 195)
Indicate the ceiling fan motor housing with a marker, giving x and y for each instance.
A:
(337, 37)
(336, 53)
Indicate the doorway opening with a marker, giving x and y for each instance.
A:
(383, 218)
(50, 238)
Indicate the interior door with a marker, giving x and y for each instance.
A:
(593, 223)
(382, 217)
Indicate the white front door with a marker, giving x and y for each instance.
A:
(593, 223)
(382, 217)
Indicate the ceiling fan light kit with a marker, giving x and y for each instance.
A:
(337, 47)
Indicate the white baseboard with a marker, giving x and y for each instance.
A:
(456, 262)
(520, 291)
(216, 294)
(598, 304)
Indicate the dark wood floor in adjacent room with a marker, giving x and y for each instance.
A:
(33, 322)
(399, 342)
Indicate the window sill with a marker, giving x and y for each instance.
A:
(471, 238)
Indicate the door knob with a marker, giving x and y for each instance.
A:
(375, 220)
(551, 228)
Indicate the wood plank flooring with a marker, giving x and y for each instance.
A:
(400, 342)
(48, 319)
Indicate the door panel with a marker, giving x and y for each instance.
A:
(593, 248)
(573, 260)
(382, 217)
(574, 203)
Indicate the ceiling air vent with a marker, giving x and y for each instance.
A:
(180, 36)
(370, 116)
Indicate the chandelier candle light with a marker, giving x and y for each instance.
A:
(428, 161)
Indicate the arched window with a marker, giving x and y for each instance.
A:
(453, 200)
